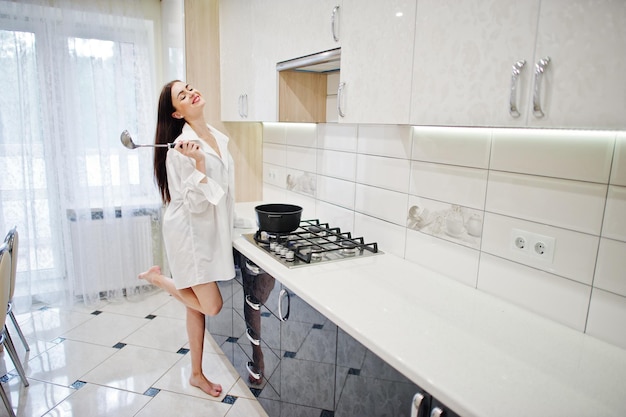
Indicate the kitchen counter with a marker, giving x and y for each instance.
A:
(479, 355)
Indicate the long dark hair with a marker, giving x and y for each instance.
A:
(167, 130)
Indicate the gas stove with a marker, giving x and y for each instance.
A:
(312, 243)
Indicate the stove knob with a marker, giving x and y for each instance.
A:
(277, 249)
(290, 255)
(283, 251)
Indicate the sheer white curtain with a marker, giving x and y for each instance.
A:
(75, 74)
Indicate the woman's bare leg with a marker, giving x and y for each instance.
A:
(195, 332)
(205, 298)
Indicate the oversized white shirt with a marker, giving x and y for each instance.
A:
(198, 221)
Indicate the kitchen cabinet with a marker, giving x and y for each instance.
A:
(376, 60)
(474, 63)
(247, 61)
(306, 27)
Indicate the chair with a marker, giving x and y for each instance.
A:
(5, 289)
(12, 242)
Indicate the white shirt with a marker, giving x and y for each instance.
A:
(198, 221)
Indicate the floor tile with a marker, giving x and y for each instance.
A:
(244, 407)
(51, 323)
(172, 308)
(106, 329)
(132, 368)
(98, 401)
(168, 404)
(215, 369)
(139, 306)
(160, 333)
(66, 362)
(36, 399)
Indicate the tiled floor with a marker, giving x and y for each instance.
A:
(125, 359)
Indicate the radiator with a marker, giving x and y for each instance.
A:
(109, 253)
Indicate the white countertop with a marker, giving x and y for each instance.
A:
(479, 355)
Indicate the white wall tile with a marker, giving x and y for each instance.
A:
(385, 140)
(338, 137)
(336, 191)
(306, 202)
(556, 298)
(615, 214)
(451, 184)
(382, 204)
(303, 159)
(444, 220)
(301, 134)
(302, 182)
(274, 133)
(275, 175)
(570, 204)
(572, 154)
(275, 154)
(389, 237)
(336, 164)
(454, 261)
(607, 317)
(611, 269)
(273, 194)
(389, 173)
(454, 146)
(574, 254)
(618, 173)
(335, 216)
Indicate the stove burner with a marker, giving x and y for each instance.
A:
(313, 242)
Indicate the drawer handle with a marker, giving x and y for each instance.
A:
(253, 269)
(253, 374)
(540, 68)
(517, 69)
(417, 403)
(334, 22)
(253, 305)
(436, 412)
(252, 340)
(281, 296)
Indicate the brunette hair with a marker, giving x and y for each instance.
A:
(167, 130)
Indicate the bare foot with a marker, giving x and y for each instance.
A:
(151, 274)
(200, 381)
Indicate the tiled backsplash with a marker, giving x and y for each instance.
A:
(452, 199)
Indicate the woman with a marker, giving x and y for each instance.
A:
(196, 182)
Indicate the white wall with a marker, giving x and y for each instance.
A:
(406, 188)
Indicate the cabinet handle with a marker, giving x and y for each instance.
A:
(436, 412)
(253, 374)
(517, 69)
(254, 341)
(540, 67)
(245, 106)
(333, 24)
(252, 304)
(240, 105)
(417, 403)
(339, 98)
(281, 296)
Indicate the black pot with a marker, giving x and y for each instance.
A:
(278, 218)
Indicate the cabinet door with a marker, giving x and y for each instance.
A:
(584, 85)
(376, 60)
(463, 59)
(248, 61)
(236, 45)
(306, 27)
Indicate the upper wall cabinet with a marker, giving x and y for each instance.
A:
(305, 27)
(554, 63)
(247, 63)
(376, 61)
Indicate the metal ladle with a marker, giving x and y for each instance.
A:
(127, 141)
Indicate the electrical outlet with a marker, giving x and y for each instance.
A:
(532, 245)
(520, 239)
(542, 247)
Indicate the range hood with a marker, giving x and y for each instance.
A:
(326, 61)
